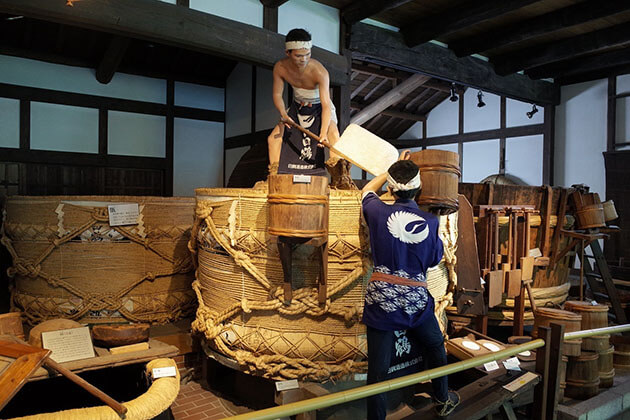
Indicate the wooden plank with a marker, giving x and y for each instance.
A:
(567, 48)
(555, 358)
(469, 295)
(541, 391)
(390, 98)
(111, 59)
(393, 113)
(611, 290)
(177, 26)
(15, 376)
(454, 19)
(248, 139)
(538, 25)
(381, 46)
(359, 9)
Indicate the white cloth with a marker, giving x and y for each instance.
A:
(413, 183)
(298, 45)
(311, 96)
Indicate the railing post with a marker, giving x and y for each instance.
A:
(555, 357)
(541, 391)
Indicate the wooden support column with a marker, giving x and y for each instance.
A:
(111, 59)
(611, 116)
(553, 382)
(341, 97)
(549, 144)
(25, 124)
(502, 140)
(460, 130)
(541, 391)
(170, 137)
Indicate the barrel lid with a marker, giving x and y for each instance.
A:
(579, 306)
(558, 313)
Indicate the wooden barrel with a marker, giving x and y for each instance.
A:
(11, 324)
(562, 376)
(439, 171)
(621, 354)
(298, 206)
(593, 316)
(572, 322)
(610, 212)
(605, 366)
(582, 376)
(69, 262)
(590, 216)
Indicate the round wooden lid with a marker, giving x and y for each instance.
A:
(558, 314)
(579, 306)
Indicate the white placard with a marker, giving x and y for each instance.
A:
(490, 366)
(163, 372)
(301, 179)
(68, 345)
(512, 363)
(360, 376)
(519, 382)
(285, 385)
(123, 214)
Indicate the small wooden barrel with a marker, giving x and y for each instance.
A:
(610, 212)
(597, 343)
(298, 206)
(562, 376)
(605, 366)
(439, 171)
(621, 354)
(582, 376)
(593, 316)
(590, 216)
(11, 324)
(572, 322)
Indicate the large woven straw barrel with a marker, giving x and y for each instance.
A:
(68, 262)
(439, 171)
(241, 305)
(298, 206)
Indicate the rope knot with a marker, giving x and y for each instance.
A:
(150, 276)
(100, 214)
(245, 306)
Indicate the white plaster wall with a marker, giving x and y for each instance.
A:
(9, 123)
(170, 1)
(443, 119)
(232, 156)
(320, 20)
(481, 158)
(245, 11)
(623, 83)
(480, 119)
(413, 133)
(622, 132)
(516, 114)
(131, 134)
(580, 136)
(64, 128)
(524, 157)
(267, 116)
(197, 156)
(199, 96)
(33, 73)
(238, 101)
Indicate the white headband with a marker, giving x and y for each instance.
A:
(298, 45)
(413, 183)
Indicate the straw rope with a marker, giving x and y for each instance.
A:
(159, 397)
(113, 301)
(448, 233)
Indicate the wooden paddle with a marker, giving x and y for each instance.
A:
(307, 132)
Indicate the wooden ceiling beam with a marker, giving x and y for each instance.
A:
(539, 55)
(576, 66)
(375, 88)
(273, 3)
(176, 26)
(379, 46)
(538, 25)
(455, 19)
(362, 86)
(111, 59)
(360, 9)
(594, 75)
(393, 113)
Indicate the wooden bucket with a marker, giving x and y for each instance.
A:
(439, 171)
(593, 316)
(298, 206)
(605, 366)
(70, 263)
(572, 322)
(610, 212)
(562, 377)
(621, 354)
(597, 343)
(582, 376)
(590, 216)
(11, 324)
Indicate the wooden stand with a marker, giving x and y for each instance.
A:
(285, 250)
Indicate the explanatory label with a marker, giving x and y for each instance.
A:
(123, 214)
(163, 372)
(285, 385)
(301, 179)
(68, 345)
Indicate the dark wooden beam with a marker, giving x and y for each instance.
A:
(594, 75)
(387, 48)
(25, 124)
(360, 9)
(270, 18)
(549, 145)
(341, 98)
(520, 131)
(359, 88)
(170, 137)
(185, 3)
(375, 89)
(457, 18)
(176, 26)
(611, 114)
(248, 139)
(273, 3)
(581, 65)
(111, 59)
(393, 113)
(536, 26)
(561, 50)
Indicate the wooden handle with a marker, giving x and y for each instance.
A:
(307, 132)
(115, 405)
(532, 302)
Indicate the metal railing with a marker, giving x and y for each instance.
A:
(404, 381)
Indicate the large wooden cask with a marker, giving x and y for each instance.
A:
(440, 173)
(545, 316)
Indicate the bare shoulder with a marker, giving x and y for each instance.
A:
(318, 69)
(280, 67)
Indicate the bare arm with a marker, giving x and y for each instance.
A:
(377, 182)
(278, 90)
(324, 96)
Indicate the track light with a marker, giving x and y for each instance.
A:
(454, 97)
(531, 113)
(480, 102)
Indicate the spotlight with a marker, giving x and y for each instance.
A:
(454, 97)
(531, 113)
(480, 102)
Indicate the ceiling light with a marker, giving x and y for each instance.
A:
(480, 102)
(531, 113)
(454, 96)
